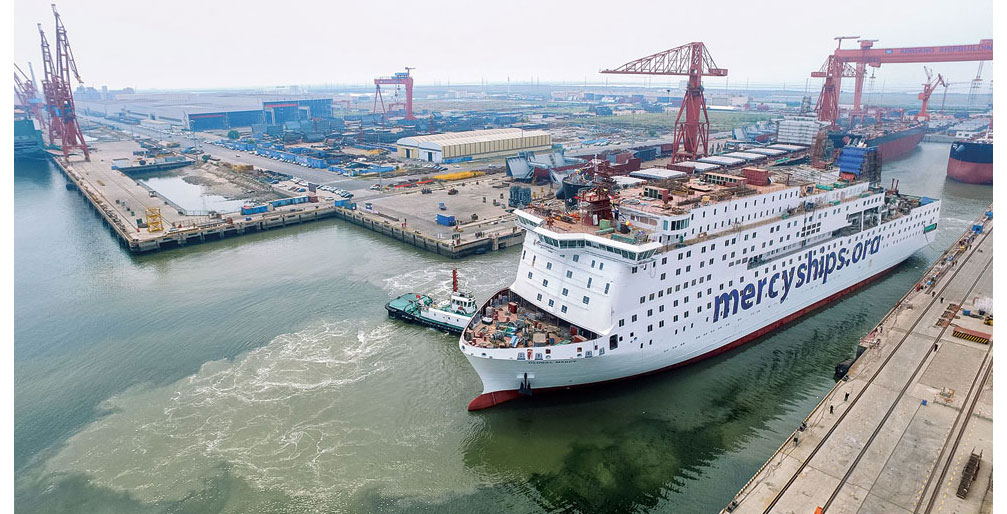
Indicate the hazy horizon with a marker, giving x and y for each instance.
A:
(238, 46)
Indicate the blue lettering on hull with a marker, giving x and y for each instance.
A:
(812, 269)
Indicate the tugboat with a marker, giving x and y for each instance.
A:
(451, 315)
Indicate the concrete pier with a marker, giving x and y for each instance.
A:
(120, 200)
(897, 434)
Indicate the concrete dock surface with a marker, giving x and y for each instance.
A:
(897, 433)
(479, 206)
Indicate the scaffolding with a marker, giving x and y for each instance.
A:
(154, 221)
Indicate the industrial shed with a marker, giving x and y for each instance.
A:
(474, 144)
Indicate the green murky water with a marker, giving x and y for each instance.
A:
(260, 374)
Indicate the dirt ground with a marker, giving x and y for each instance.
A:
(229, 184)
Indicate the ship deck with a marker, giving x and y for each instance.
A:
(684, 195)
(509, 321)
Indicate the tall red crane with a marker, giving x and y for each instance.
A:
(691, 139)
(63, 126)
(928, 88)
(833, 72)
(867, 55)
(27, 95)
(403, 79)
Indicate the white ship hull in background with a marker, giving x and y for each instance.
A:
(587, 309)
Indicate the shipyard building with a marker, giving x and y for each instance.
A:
(272, 113)
(474, 144)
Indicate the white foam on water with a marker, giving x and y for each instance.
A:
(303, 414)
(489, 277)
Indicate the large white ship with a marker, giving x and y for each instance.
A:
(665, 274)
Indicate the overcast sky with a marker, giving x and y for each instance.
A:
(209, 43)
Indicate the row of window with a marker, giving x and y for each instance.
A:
(774, 267)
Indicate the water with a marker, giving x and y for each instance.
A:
(261, 374)
(191, 197)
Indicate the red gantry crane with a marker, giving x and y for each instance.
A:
(63, 126)
(27, 95)
(833, 72)
(691, 139)
(403, 79)
(867, 55)
(928, 88)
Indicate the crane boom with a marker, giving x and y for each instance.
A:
(691, 137)
(63, 125)
(867, 55)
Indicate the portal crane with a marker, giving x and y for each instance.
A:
(27, 95)
(63, 124)
(691, 139)
(929, 88)
(403, 79)
(833, 72)
(867, 55)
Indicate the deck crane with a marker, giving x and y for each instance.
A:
(63, 126)
(27, 95)
(691, 138)
(929, 88)
(403, 79)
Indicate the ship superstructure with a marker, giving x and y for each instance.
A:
(668, 273)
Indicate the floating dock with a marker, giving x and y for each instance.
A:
(122, 202)
(910, 427)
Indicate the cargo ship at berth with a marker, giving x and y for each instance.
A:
(28, 142)
(971, 161)
(894, 141)
(668, 273)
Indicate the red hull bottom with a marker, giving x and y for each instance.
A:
(899, 148)
(970, 172)
(487, 400)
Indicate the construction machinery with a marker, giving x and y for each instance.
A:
(64, 130)
(833, 72)
(398, 79)
(974, 86)
(27, 95)
(867, 55)
(929, 88)
(691, 138)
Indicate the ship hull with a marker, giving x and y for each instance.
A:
(532, 370)
(971, 163)
(899, 145)
(487, 400)
(397, 313)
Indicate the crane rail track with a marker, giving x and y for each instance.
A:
(797, 473)
(977, 385)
